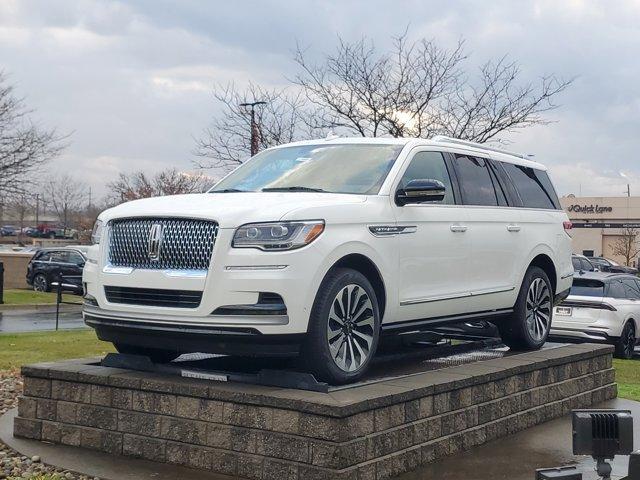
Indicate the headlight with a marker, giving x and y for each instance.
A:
(96, 234)
(277, 235)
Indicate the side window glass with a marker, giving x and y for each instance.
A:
(475, 181)
(586, 265)
(533, 186)
(59, 257)
(429, 166)
(616, 289)
(44, 257)
(502, 198)
(576, 263)
(75, 258)
(631, 288)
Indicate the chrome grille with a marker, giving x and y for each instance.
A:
(186, 244)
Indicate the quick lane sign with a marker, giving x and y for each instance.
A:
(605, 225)
(589, 209)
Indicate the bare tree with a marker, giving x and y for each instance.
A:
(227, 142)
(67, 198)
(24, 146)
(167, 182)
(419, 89)
(627, 245)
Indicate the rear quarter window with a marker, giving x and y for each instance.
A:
(533, 186)
(587, 288)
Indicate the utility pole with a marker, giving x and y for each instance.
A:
(628, 190)
(255, 132)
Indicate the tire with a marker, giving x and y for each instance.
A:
(156, 355)
(529, 325)
(339, 350)
(625, 345)
(40, 283)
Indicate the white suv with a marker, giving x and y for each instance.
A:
(601, 308)
(318, 248)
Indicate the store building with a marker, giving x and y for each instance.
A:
(600, 222)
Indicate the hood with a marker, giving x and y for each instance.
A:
(231, 210)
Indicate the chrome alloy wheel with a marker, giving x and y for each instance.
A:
(350, 328)
(538, 309)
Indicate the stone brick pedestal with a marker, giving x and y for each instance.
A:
(371, 432)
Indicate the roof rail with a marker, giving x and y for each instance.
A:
(480, 146)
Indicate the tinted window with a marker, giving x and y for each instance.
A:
(587, 288)
(43, 256)
(59, 257)
(75, 258)
(586, 265)
(576, 263)
(533, 186)
(475, 181)
(631, 288)
(616, 290)
(429, 166)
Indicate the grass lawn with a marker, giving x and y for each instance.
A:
(27, 297)
(22, 348)
(628, 378)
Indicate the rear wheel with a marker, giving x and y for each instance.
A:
(626, 344)
(156, 355)
(40, 283)
(529, 325)
(343, 328)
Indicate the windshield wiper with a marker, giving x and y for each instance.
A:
(227, 190)
(292, 189)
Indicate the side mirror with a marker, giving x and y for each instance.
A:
(419, 191)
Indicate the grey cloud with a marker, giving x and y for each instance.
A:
(131, 79)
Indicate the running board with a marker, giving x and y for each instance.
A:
(429, 323)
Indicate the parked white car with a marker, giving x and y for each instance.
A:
(318, 248)
(601, 307)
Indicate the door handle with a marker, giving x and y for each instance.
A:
(513, 228)
(458, 228)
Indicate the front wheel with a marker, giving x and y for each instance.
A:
(529, 325)
(156, 355)
(344, 328)
(626, 344)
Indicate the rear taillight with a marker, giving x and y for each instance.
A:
(567, 225)
(587, 304)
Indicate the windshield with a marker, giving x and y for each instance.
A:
(587, 288)
(359, 169)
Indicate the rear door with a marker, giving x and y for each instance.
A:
(494, 233)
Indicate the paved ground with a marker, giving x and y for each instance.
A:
(36, 320)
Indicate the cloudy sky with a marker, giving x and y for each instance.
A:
(131, 80)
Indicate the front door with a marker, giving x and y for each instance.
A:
(434, 248)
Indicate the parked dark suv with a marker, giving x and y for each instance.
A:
(48, 264)
(606, 265)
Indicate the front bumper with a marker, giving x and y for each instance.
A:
(186, 337)
(235, 277)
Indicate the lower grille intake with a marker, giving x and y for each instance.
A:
(153, 297)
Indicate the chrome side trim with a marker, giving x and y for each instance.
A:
(415, 301)
(255, 267)
(567, 276)
(390, 230)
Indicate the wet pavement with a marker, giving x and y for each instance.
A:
(516, 457)
(38, 320)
